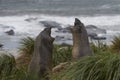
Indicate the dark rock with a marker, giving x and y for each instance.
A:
(57, 31)
(81, 46)
(41, 62)
(10, 32)
(31, 19)
(94, 36)
(99, 38)
(1, 45)
(65, 44)
(91, 26)
(91, 35)
(64, 30)
(52, 24)
(58, 38)
(68, 38)
(93, 29)
(68, 29)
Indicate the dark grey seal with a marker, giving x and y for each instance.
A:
(81, 46)
(41, 62)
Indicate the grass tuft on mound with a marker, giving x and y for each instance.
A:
(9, 70)
(116, 44)
(61, 54)
(105, 66)
(27, 45)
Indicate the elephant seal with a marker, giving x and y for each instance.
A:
(41, 62)
(81, 46)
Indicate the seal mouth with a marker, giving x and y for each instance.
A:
(77, 22)
(77, 26)
(48, 32)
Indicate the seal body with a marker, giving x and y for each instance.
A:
(81, 46)
(41, 62)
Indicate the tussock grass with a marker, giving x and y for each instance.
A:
(27, 45)
(99, 46)
(26, 50)
(116, 44)
(105, 66)
(61, 54)
(8, 69)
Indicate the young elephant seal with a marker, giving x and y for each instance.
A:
(41, 62)
(81, 46)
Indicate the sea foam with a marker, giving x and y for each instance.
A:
(33, 27)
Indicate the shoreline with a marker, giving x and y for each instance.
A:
(13, 52)
(18, 24)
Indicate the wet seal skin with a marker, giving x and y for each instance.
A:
(81, 46)
(41, 62)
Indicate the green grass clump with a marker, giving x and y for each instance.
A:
(26, 50)
(99, 46)
(8, 69)
(105, 66)
(27, 45)
(7, 66)
(61, 54)
(116, 44)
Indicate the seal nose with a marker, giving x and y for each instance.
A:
(77, 21)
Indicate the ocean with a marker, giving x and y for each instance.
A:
(15, 14)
